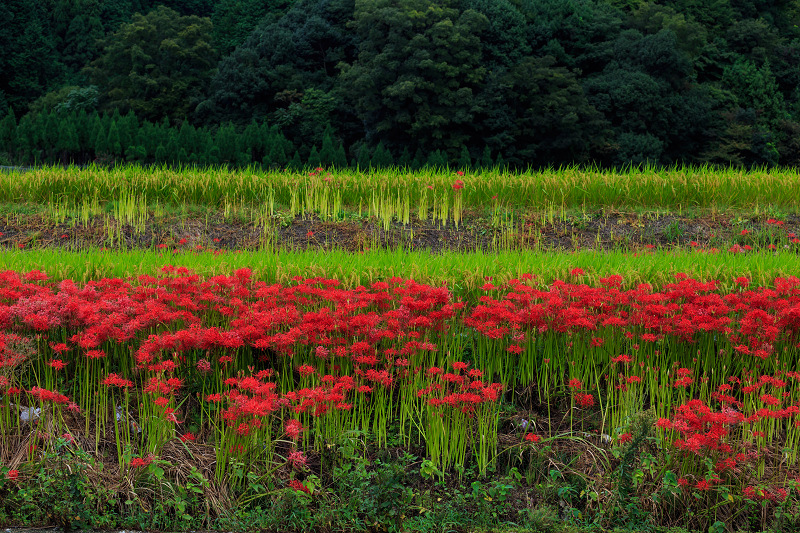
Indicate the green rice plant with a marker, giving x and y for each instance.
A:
(395, 195)
(464, 273)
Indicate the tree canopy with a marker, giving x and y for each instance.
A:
(368, 82)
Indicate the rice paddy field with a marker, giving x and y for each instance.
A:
(566, 350)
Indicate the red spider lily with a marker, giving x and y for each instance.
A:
(59, 347)
(298, 460)
(760, 494)
(188, 437)
(45, 395)
(530, 437)
(140, 462)
(57, 364)
(703, 485)
(457, 185)
(298, 486)
(293, 428)
(388, 334)
(584, 400)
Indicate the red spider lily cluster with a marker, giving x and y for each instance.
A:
(309, 359)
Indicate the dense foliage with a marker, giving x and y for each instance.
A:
(359, 82)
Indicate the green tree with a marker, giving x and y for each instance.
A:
(756, 88)
(486, 158)
(234, 20)
(363, 157)
(187, 138)
(8, 132)
(161, 154)
(226, 140)
(67, 145)
(328, 152)
(270, 74)
(437, 159)
(296, 162)
(753, 38)
(419, 65)
(382, 158)
(580, 35)
(538, 114)
(113, 143)
(158, 65)
(277, 152)
(651, 18)
(504, 40)
(339, 157)
(101, 142)
(313, 157)
(405, 158)
(80, 43)
(464, 159)
(29, 61)
(419, 159)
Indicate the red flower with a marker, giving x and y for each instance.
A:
(57, 364)
(306, 370)
(458, 184)
(625, 437)
(298, 460)
(12, 475)
(584, 400)
(139, 462)
(298, 486)
(188, 437)
(294, 428)
(530, 437)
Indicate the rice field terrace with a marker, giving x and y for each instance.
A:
(570, 209)
(562, 351)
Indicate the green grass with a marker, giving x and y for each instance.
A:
(677, 188)
(464, 273)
